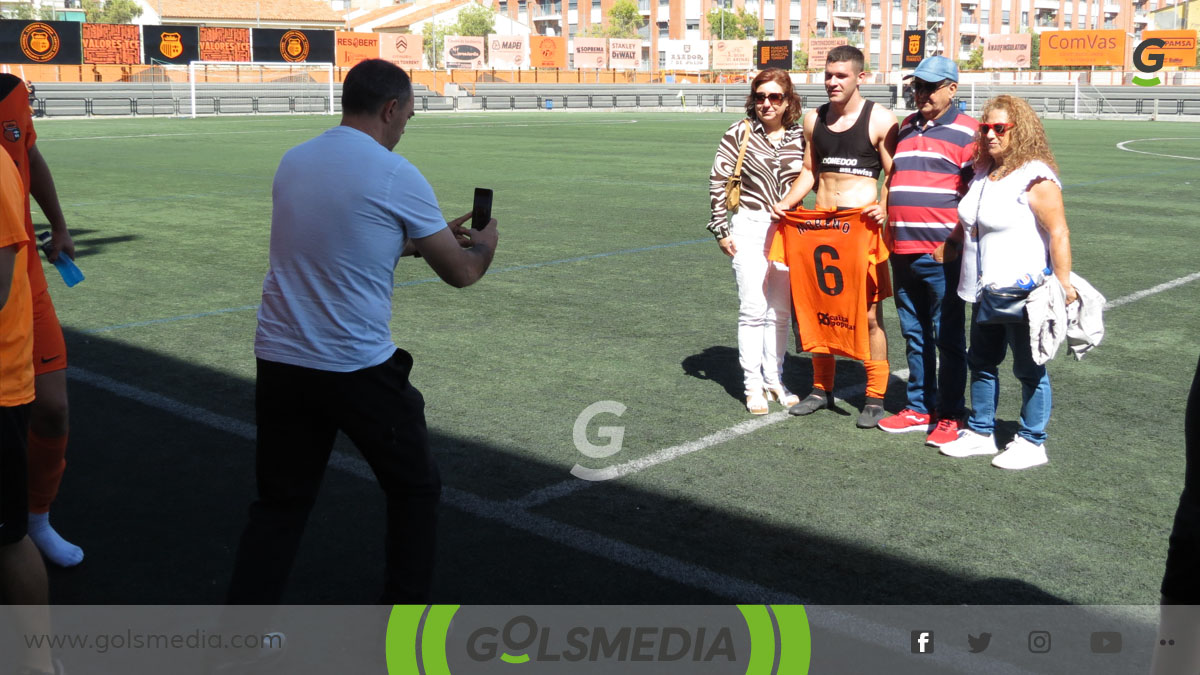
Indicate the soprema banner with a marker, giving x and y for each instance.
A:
(507, 52)
(112, 43)
(224, 44)
(733, 54)
(292, 46)
(40, 42)
(464, 52)
(405, 50)
(591, 52)
(624, 54)
(818, 50)
(1082, 48)
(1013, 50)
(350, 48)
(548, 51)
(686, 54)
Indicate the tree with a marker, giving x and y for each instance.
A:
(974, 61)
(435, 40)
(112, 11)
(25, 11)
(741, 25)
(800, 60)
(474, 19)
(624, 21)
(1035, 51)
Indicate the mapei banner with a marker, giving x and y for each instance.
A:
(548, 52)
(1013, 50)
(775, 54)
(40, 42)
(507, 52)
(1082, 48)
(292, 46)
(464, 52)
(404, 50)
(686, 54)
(591, 52)
(624, 54)
(225, 44)
(170, 44)
(110, 43)
(733, 54)
(354, 47)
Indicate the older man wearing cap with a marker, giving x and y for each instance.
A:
(932, 169)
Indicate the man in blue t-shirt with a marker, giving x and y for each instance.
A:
(345, 208)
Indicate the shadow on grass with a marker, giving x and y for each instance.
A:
(87, 245)
(158, 501)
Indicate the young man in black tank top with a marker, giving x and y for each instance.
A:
(850, 144)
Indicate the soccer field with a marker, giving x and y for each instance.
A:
(606, 287)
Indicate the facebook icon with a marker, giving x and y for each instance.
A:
(922, 642)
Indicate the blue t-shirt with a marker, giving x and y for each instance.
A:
(343, 208)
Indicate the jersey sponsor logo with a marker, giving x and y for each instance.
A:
(834, 321)
(39, 42)
(171, 45)
(293, 46)
(12, 131)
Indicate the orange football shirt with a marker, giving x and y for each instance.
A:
(16, 316)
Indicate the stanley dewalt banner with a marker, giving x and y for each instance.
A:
(292, 46)
(40, 42)
(171, 44)
(112, 43)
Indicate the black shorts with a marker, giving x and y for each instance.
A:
(14, 496)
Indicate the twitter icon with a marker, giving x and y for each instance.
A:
(978, 644)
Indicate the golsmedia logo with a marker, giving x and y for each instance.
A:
(558, 640)
(1149, 64)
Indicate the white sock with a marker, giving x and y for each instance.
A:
(56, 549)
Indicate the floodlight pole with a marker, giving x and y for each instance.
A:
(722, 38)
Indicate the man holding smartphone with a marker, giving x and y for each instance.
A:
(345, 209)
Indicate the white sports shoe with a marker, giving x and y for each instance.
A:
(969, 444)
(1021, 454)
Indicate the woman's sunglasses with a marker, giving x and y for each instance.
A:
(774, 97)
(1000, 128)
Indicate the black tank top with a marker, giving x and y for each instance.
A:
(848, 151)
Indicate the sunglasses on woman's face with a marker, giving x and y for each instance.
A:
(1000, 128)
(774, 97)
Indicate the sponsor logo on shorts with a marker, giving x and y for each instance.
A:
(12, 131)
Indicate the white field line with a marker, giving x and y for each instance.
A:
(573, 485)
(1122, 144)
(1133, 297)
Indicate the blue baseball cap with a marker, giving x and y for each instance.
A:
(936, 69)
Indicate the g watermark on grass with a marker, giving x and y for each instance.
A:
(614, 436)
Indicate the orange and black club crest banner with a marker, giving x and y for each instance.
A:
(171, 44)
(40, 42)
(913, 50)
(292, 46)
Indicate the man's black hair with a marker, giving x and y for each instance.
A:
(371, 84)
(847, 53)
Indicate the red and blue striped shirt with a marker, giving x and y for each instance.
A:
(933, 164)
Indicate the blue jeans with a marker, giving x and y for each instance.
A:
(988, 346)
(930, 313)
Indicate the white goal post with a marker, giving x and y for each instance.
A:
(301, 82)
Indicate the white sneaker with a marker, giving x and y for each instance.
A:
(778, 392)
(969, 444)
(1021, 454)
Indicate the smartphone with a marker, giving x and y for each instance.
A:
(482, 210)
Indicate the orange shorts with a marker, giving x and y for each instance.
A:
(49, 347)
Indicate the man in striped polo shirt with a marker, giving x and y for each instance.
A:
(932, 167)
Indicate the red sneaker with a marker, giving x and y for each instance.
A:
(906, 420)
(945, 432)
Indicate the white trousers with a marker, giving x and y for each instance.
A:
(764, 301)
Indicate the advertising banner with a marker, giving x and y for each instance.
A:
(1083, 48)
(507, 52)
(405, 50)
(591, 52)
(40, 42)
(548, 52)
(913, 50)
(112, 43)
(1014, 50)
(624, 54)
(818, 49)
(733, 54)
(1180, 50)
(292, 46)
(350, 48)
(170, 44)
(774, 54)
(464, 53)
(686, 54)
(224, 44)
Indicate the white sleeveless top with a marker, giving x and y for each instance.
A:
(1011, 242)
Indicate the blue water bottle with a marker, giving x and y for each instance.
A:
(66, 267)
